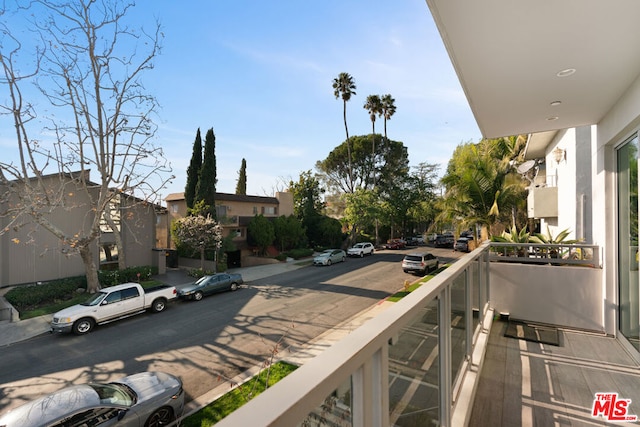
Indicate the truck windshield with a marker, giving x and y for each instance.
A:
(95, 299)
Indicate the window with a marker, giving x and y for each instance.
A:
(130, 293)
(255, 210)
(269, 210)
(91, 417)
(174, 207)
(221, 211)
(237, 232)
(628, 278)
(113, 297)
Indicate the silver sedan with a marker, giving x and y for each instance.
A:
(148, 399)
(329, 257)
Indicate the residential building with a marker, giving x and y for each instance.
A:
(566, 73)
(29, 253)
(234, 212)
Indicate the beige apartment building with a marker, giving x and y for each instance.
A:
(29, 253)
(234, 211)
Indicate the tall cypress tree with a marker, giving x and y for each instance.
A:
(193, 171)
(241, 186)
(206, 188)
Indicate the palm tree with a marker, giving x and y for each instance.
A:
(388, 109)
(481, 187)
(344, 87)
(374, 106)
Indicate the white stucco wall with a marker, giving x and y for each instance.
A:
(562, 175)
(558, 295)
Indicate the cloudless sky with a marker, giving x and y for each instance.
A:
(260, 74)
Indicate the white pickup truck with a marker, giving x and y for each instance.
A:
(112, 303)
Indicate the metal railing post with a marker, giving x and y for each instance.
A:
(444, 355)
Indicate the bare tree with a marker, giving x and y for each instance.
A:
(93, 114)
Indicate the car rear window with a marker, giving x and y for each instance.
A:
(413, 258)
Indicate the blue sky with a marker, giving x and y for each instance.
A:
(260, 73)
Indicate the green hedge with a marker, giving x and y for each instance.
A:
(28, 297)
(299, 253)
(115, 277)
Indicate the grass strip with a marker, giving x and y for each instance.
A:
(403, 293)
(223, 406)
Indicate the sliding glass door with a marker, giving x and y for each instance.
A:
(628, 281)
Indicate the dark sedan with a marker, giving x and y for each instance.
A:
(212, 284)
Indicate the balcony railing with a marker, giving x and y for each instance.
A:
(555, 254)
(414, 364)
(228, 220)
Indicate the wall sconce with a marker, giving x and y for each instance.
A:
(559, 154)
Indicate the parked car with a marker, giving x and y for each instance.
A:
(395, 244)
(148, 398)
(361, 249)
(330, 256)
(112, 303)
(211, 284)
(462, 244)
(420, 262)
(445, 241)
(431, 238)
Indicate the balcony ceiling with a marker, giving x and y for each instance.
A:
(508, 55)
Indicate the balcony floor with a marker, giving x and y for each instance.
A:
(524, 383)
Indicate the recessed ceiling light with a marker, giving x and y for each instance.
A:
(555, 103)
(552, 118)
(566, 72)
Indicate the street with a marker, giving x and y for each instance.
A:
(212, 340)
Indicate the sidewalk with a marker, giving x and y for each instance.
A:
(12, 332)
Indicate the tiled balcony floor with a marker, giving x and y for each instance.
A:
(530, 384)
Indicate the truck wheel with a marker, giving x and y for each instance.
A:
(197, 296)
(158, 305)
(83, 326)
(234, 286)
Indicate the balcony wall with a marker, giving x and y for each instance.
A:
(559, 295)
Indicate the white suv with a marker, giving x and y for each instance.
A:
(361, 249)
(421, 263)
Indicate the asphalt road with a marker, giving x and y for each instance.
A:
(209, 341)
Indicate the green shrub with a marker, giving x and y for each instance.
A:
(299, 253)
(111, 278)
(30, 296)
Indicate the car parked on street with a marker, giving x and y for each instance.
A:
(112, 303)
(420, 263)
(211, 284)
(445, 241)
(148, 399)
(330, 256)
(462, 244)
(361, 249)
(395, 244)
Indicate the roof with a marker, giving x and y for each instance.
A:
(537, 66)
(229, 197)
